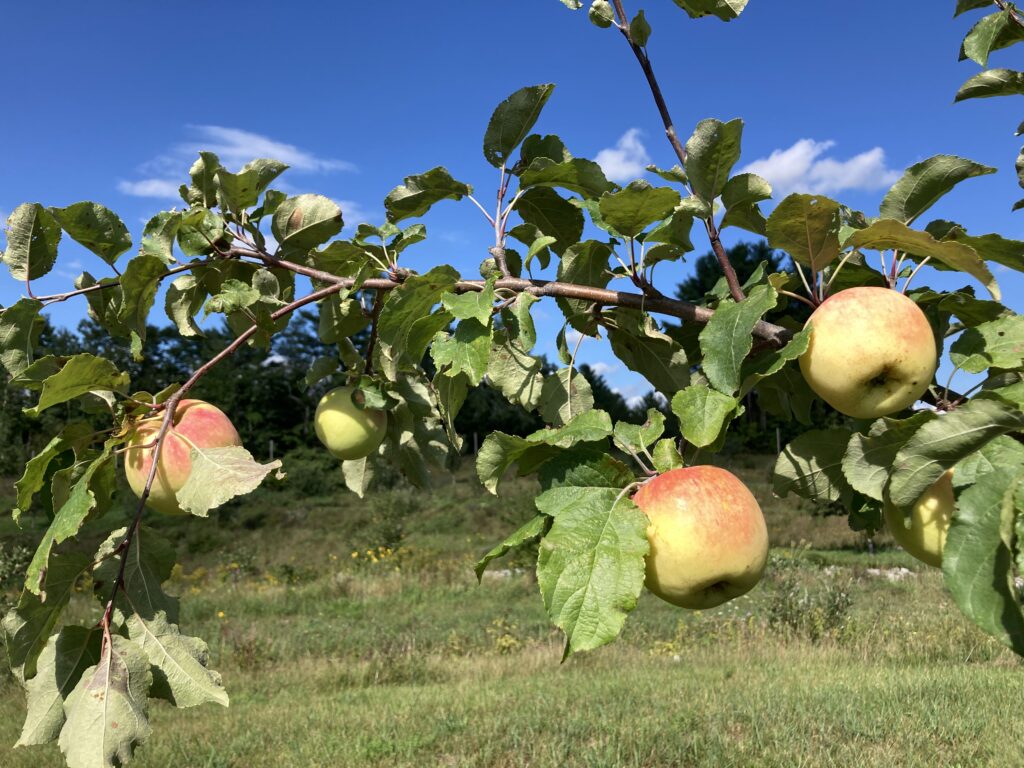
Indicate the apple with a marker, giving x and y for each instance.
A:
(347, 430)
(709, 541)
(929, 521)
(196, 423)
(872, 352)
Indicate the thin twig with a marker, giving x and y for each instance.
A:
(378, 304)
(677, 146)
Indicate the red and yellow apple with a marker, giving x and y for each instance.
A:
(930, 517)
(348, 430)
(195, 423)
(872, 352)
(709, 541)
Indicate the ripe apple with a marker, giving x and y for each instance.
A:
(346, 429)
(872, 352)
(195, 423)
(929, 521)
(709, 542)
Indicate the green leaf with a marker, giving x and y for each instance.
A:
(584, 263)
(564, 395)
(80, 374)
(977, 560)
(451, 395)
(139, 284)
(591, 563)
(406, 324)
(962, 6)
(72, 514)
(242, 190)
(639, 29)
(182, 303)
(941, 443)
(61, 664)
(727, 338)
(17, 328)
(75, 435)
(200, 230)
(634, 438)
(673, 175)
(726, 10)
(179, 662)
(703, 413)
(787, 395)
(644, 349)
(514, 372)
(32, 238)
(467, 351)
(992, 82)
(1001, 454)
(107, 711)
(500, 451)
(234, 296)
(666, 456)
(532, 530)
(924, 183)
(159, 234)
(990, 247)
(807, 228)
(586, 427)
(812, 466)
(584, 177)
(888, 233)
(340, 319)
(219, 475)
(419, 193)
(869, 458)
(27, 626)
(472, 305)
(740, 197)
(518, 322)
(306, 221)
(711, 153)
(772, 361)
(512, 121)
(358, 474)
(203, 190)
(630, 210)
(535, 146)
(992, 32)
(996, 344)
(553, 215)
(96, 227)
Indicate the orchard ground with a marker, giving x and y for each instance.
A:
(353, 633)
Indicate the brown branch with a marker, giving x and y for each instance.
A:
(58, 297)
(677, 146)
(378, 304)
(652, 302)
(1010, 11)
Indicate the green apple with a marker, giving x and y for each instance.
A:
(930, 517)
(709, 541)
(196, 423)
(872, 352)
(347, 430)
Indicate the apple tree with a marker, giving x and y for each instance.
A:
(236, 246)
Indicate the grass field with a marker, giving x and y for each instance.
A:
(354, 634)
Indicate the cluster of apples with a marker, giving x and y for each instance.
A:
(872, 353)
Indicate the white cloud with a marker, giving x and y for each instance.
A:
(353, 213)
(572, 336)
(804, 167)
(162, 188)
(603, 369)
(625, 161)
(234, 146)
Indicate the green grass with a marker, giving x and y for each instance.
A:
(401, 659)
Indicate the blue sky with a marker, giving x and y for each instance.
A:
(111, 105)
